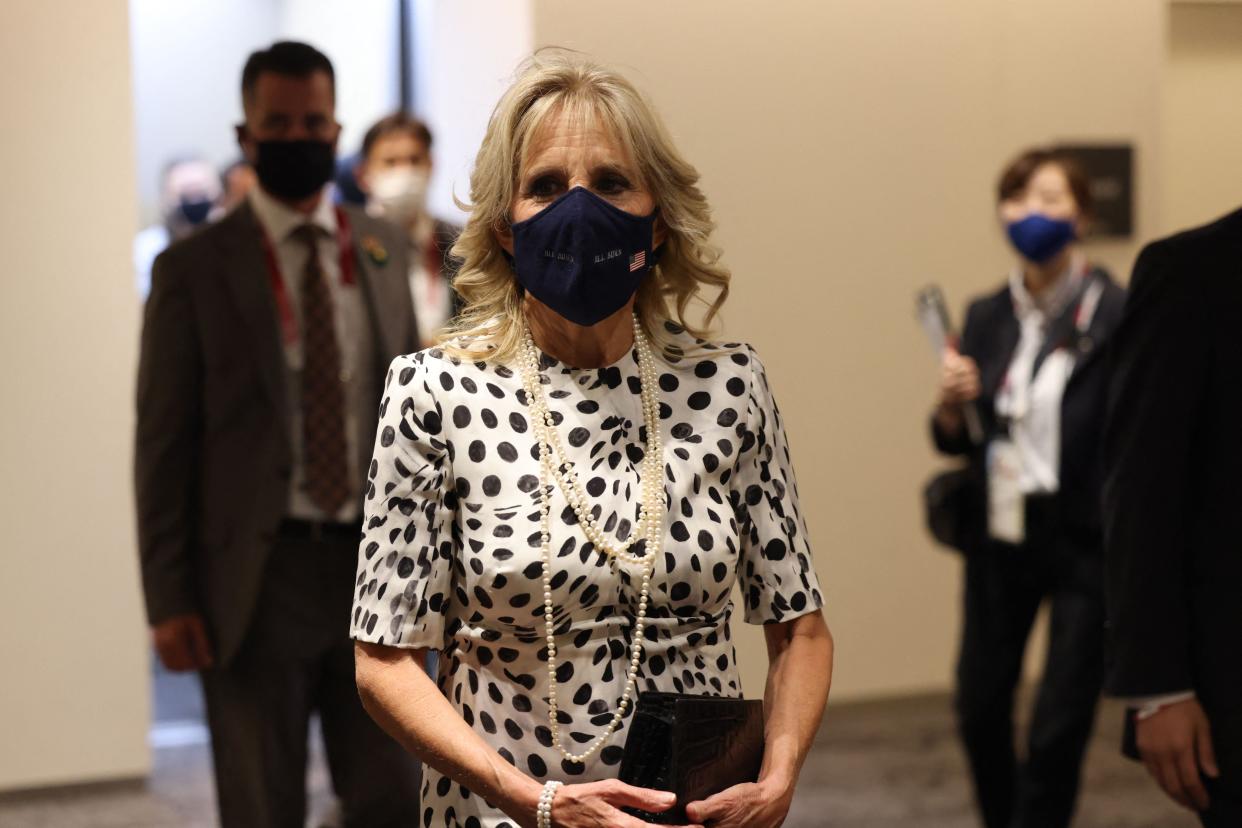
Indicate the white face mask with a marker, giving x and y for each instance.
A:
(399, 194)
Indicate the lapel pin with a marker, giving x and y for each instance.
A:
(375, 250)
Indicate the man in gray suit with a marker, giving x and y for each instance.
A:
(266, 339)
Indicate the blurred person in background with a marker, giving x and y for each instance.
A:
(345, 181)
(239, 179)
(189, 195)
(1173, 521)
(395, 173)
(264, 350)
(1029, 363)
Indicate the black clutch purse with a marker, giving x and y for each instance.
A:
(694, 746)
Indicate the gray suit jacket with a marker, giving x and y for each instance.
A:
(212, 455)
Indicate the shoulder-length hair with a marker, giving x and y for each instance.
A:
(551, 82)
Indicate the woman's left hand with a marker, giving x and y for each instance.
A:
(762, 804)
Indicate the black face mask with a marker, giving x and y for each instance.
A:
(294, 170)
(194, 210)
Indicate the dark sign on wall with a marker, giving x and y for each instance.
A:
(1111, 170)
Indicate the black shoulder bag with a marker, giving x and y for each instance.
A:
(955, 506)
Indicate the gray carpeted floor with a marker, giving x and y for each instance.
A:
(876, 765)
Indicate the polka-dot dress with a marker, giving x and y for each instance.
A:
(450, 559)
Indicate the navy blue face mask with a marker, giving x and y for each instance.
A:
(583, 257)
(1039, 238)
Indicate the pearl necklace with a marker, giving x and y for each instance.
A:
(651, 520)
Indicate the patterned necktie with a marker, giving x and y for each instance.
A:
(323, 398)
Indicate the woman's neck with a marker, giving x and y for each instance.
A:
(1039, 278)
(577, 346)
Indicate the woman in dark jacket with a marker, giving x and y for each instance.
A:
(1030, 365)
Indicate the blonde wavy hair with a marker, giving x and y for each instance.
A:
(552, 82)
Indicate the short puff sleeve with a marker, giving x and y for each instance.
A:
(405, 560)
(776, 572)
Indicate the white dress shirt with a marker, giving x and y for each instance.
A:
(1031, 400)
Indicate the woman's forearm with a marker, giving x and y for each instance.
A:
(799, 675)
(406, 703)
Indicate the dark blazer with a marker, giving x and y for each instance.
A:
(1173, 498)
(212, 453)
(990, 337)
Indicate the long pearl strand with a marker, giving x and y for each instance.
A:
(565, 471)
(651, 521)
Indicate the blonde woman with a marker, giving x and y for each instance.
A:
(564, 495)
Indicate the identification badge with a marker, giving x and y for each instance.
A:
(1006, 503)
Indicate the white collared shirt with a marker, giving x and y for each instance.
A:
(279, 223)
(1030, 400)
(432, 295)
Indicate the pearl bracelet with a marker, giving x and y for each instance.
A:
(544, 814)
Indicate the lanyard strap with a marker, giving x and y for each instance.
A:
(1087, 305)
(1084, 307)
(345, 246)
(433, 261)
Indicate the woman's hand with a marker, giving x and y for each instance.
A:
(959, 384)
(761, 804)
(594, 804)
(959, 379)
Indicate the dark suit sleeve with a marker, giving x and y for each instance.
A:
(1159, 365)
(167, 443)
(958, 444)
(412, 341)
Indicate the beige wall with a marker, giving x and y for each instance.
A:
(850, 149)
(73, 685)
(457, 87)
(1201, 126)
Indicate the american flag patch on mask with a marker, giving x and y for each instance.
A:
(638, 261)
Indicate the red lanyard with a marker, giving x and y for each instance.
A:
(1084, 311)
(433, 259)
(344, 243)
